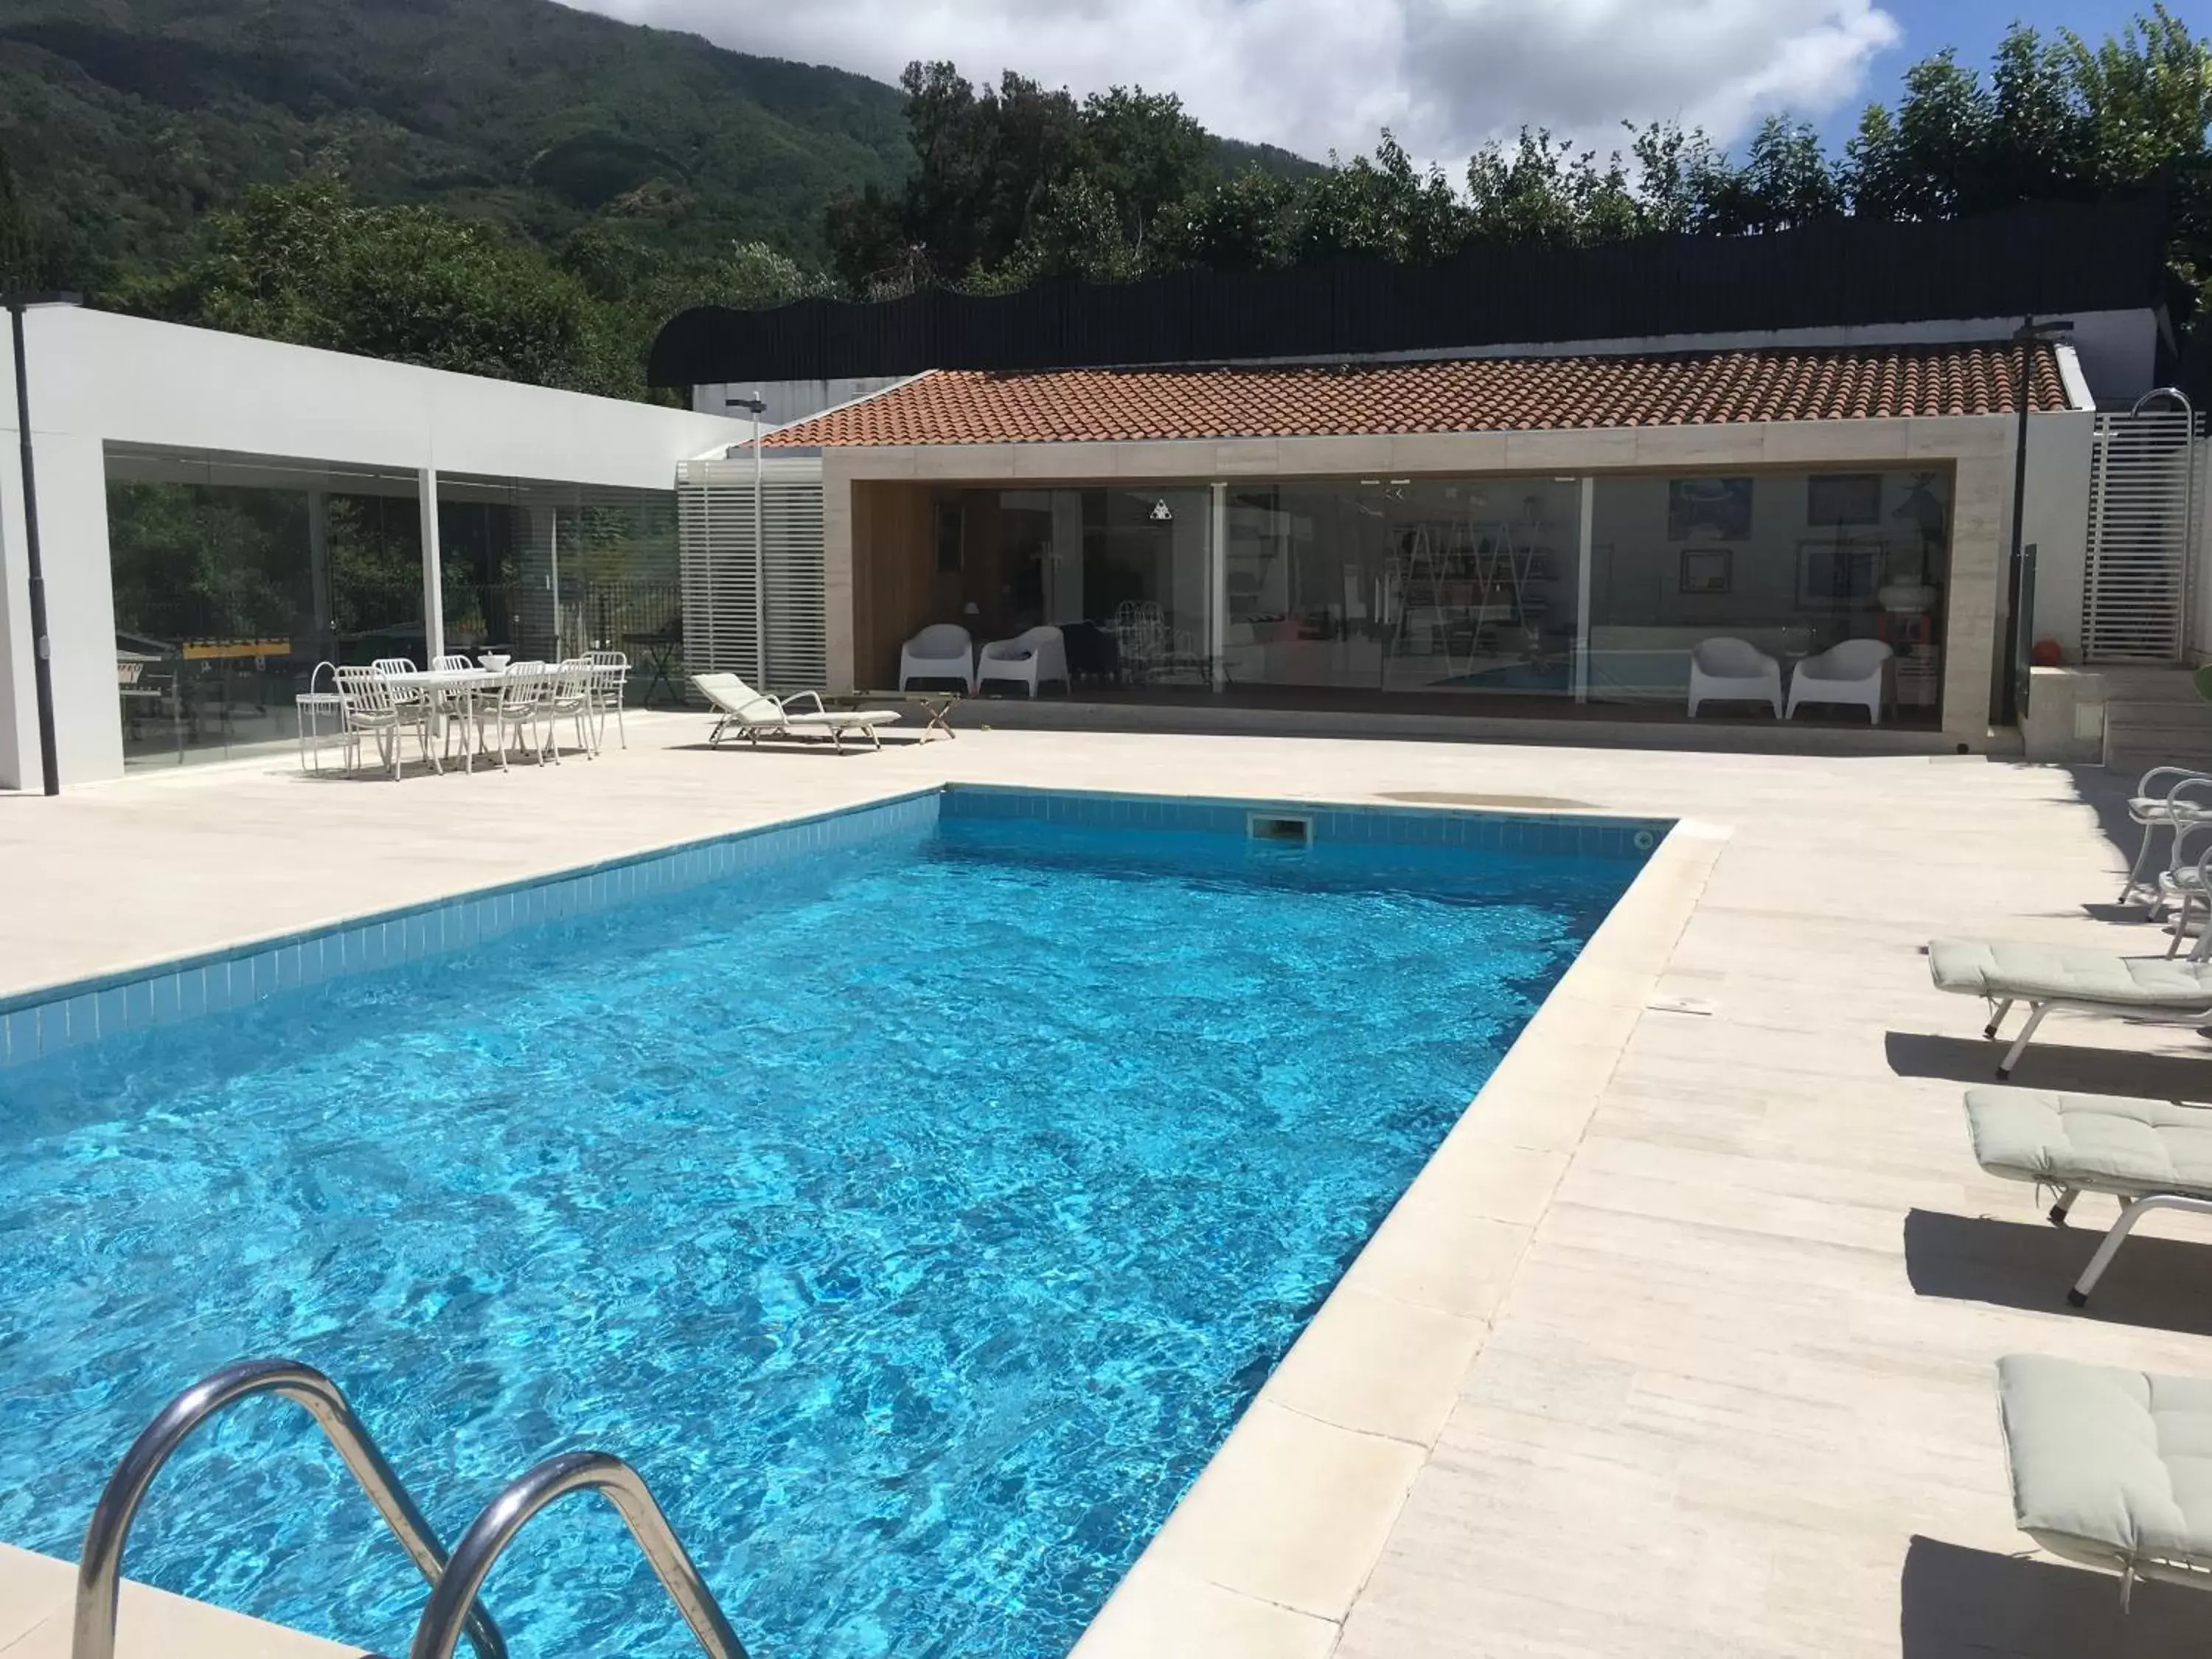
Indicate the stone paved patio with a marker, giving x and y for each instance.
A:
(1733, 1395)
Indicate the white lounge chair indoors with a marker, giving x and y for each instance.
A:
(2151, 989)
(942, 650)
(2149, 1154)
(1035, 657)
(1734, 671)
(2167, 797)
(1857, 671)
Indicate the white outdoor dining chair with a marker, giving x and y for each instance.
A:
(453, 707)
(568, 697)
(321, 715)
(371, 709)
(610, 688)
(510, 704)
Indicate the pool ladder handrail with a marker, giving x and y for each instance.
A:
(529, 1494)
(99, 1566)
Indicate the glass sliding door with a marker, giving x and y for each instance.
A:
(1124, 574)
(1405, 584)
(1791, 563)
(233, 578)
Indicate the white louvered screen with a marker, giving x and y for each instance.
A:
(2136, 582)
(715, 506)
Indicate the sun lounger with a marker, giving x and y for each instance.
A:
(2107, 1466)
(2149, 1154)
(2046, 977)
(758, 714)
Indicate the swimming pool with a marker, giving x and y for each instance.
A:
(917, 1207)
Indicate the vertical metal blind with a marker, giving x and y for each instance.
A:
(714, 510)
(2136, 580)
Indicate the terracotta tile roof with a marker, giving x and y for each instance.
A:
(968, 406)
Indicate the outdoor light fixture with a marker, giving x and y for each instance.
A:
(42, 645)
(757, 408)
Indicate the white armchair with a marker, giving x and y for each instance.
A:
(1730, 670)
(1856, 673)
(941, 651)
(1030, 659)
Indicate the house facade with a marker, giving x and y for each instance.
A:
(1444, 521)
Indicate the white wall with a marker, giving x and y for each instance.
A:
(99, 379)
(2056, 519)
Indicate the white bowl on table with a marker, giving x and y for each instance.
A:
(494, 660)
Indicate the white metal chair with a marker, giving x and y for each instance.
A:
(942, 650)
(2181, 801)
(1856, 673)
(321, 715)
(452, 707)
(1029, 659)
(1733, 671)
(371, 709)
(568, 696)
(610, 688)
(509, 705)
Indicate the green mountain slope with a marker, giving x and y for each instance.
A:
(126, 119)
(129, 117)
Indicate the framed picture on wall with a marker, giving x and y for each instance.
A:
(1708, 509)
(1840, 573)
(1708, 569)
(1843, 498)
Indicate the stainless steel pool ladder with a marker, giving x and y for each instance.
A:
(454, 1581)
(494, 1529)
(99, 1566)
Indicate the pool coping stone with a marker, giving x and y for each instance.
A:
(1267, 1551)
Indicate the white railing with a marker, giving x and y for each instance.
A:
(2140, 571)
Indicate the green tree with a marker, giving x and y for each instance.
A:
(19, 265)
(1544, 193)
(303, 262)
(1383, 206)
(1246, 222)
(1784, 181)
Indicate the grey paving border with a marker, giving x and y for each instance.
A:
(1266, 1553)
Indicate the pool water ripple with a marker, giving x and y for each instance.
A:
(918, 1220)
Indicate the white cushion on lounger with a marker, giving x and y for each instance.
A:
(2038, 973)
(855, 717)
(2106, 1142)
(2110, 1467)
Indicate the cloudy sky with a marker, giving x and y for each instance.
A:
(1444, 75)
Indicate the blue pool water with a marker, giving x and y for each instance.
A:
(918, 1219)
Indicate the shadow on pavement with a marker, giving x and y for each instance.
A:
(1974, 1058)
(1959, 1603)
(2156, 1284)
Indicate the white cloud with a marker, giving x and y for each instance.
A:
(1317, 74)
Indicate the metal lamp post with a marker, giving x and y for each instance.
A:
(757, 408)
(42, 648)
